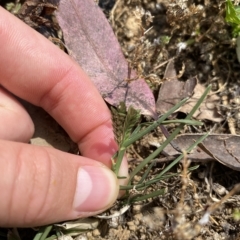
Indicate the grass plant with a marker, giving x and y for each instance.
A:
(133, 130)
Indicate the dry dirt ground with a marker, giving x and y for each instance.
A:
(207, 52)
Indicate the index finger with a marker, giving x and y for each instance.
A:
(34, 69)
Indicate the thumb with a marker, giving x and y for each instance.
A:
(41, 185)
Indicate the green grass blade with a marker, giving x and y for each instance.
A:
(136, 130)
(134, 138)
(120, 156)
(232, 13)
(182, 155)
(154, 154)
(153, 125)
(146, 196)
(143, 185)
(171, 137)
(146, 173)
(43, 232)
(132, 117)
(184, 121)
(53, 237)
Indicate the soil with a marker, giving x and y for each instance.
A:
(196, 35)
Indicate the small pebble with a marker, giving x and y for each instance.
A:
(96, 233)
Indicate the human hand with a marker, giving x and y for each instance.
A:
(41, 185)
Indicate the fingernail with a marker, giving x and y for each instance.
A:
(96, 190)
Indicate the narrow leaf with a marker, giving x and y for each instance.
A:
(232, 13)
(131, 120)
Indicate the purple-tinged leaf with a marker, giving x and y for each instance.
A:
(223, 148)
(93, 45)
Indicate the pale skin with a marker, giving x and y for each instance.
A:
(41, 185)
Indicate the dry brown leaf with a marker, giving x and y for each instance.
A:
(172, 90)
(223, 148)
(207, 110)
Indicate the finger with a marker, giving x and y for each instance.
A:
(15, 123)
(41, 185)
(42, 74)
